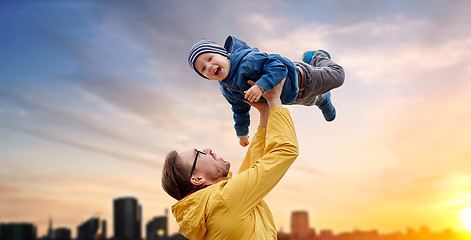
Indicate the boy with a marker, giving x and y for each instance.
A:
(244, 75)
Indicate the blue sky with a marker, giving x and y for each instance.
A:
(93, 94)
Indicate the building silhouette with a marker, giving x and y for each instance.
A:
(92, 229)
(17, 231)
(177, 236)
(127, 219)
(62, 234)
(50, 232)
(157, 228)
(326, 234)
(300, 229)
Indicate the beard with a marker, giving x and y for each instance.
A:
(223, 169)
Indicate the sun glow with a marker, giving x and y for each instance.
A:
(465, 216)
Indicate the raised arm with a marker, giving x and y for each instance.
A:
(257, 146)
(247, 189)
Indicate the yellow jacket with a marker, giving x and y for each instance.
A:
(234, 208)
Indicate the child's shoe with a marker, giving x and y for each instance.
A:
(307, 56)
(328, 110)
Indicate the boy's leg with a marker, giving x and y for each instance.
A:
(328, 110)
(321, 76)
(307, 56)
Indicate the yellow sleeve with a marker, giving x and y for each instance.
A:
(255, 150)
(243, 192)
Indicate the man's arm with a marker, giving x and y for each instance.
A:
(243, 192)
(257, 146)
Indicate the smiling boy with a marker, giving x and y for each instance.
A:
(244, 74)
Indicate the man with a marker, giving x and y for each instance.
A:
(212, 204)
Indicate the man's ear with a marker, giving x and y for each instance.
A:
(197, 180)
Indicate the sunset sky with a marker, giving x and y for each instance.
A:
(94, 94)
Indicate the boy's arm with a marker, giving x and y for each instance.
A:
(273, 71)
(240, 112)
(241, 118)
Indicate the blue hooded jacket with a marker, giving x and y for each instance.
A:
(266, 70)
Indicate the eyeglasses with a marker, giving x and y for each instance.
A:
(196, 158)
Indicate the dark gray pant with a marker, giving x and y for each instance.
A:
(321, 76)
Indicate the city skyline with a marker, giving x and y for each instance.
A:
(124, 208)
(94, 94)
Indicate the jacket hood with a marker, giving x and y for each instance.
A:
(234, 44)
(237, 50)
(190, 214)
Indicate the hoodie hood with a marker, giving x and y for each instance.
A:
(237, 50)
(190, 214)
(191, 211)
(234, 44)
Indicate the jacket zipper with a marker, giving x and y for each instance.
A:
(233, 90)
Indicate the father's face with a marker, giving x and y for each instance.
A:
(207, 164)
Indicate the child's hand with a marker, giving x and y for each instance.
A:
(244, 141)
(254, 93)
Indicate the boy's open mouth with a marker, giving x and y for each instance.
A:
(218, 70)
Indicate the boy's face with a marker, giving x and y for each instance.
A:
(213, 65)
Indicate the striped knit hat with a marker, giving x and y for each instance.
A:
(204, 46)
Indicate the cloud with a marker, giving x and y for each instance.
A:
(438, 123)
(425, 145)
(70, 114)
(76, 127)
(147, 159)
(145, 101)
(388, 51)
(408, 64)
(44, 186)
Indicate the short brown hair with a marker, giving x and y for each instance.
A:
(175, 178)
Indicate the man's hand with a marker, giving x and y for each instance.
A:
(244, 141)
(264, 111)
(260, 106)
(273, 96)
(254, 93)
